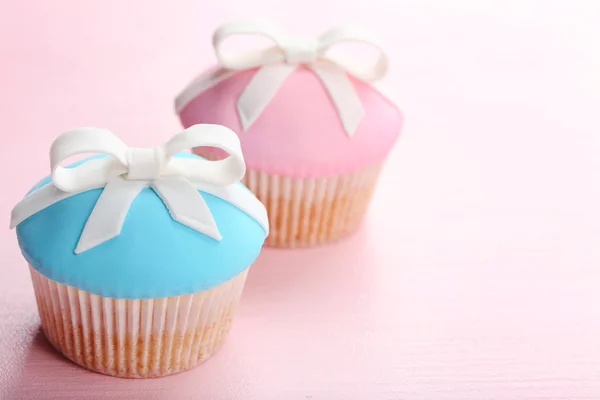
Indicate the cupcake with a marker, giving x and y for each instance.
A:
(138, 257)
(314, 131)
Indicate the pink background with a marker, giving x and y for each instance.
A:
(476, 273)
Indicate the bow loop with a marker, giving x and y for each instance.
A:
(337, 36)
(93, 173)
(220, 172)
(253, 58)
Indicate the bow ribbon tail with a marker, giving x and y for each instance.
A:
(107, 218)
(201, 84)
(186, 205)
(343, 94)
(35, 202)
(260, 91)
(240, 197)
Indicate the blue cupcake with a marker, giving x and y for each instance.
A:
(138, 257)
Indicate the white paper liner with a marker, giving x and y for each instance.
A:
(136, 338)
(313, 211)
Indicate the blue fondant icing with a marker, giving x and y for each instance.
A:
(154, 256)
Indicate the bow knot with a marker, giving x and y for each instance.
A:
(145, 163)
(301, 51)
(124, 172)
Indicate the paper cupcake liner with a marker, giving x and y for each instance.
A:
(310, 211)
(136, 338)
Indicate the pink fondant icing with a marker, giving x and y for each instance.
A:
(299, 133)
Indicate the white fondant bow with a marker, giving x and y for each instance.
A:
(278, 62)
(127, 171)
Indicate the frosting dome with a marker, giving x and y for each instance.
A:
(153, 255)
(299, 110)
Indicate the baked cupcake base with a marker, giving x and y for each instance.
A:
(136, 338)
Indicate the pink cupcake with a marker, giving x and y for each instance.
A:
(314, 131)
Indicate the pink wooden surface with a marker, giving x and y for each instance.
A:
(476, 273)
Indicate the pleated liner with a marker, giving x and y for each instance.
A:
(306, 212)
(136, 338)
